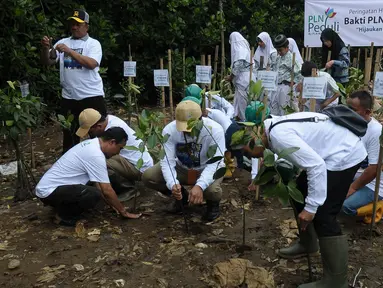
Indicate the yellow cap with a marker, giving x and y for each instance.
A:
(87, 119)
(185, 111)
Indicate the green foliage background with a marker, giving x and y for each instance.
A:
(149, 26)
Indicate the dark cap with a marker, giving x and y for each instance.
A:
(281, 41)
(80, 16)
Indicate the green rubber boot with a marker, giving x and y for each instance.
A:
(334, 251)
(307, 244)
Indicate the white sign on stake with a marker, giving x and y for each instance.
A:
(161, 78)
(203, 74)
(130, 68)
(269, 79)
(378, 85)
(314, 87)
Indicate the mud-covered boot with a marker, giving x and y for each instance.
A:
(176, 206)
(307, 244)
(334, 251)
(212, 211)
(124, 188)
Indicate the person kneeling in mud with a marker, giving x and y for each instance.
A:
(329, 156)
(65, 185)
(185, 162)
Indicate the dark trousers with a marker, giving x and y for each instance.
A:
(234, 127)
(75, 107)
(70, 201)
(338, 183)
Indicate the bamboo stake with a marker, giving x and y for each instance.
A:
(372, 50)
(184, 67)
(313, 101)
(215, 67)
(129, 93)
(354, 62)
(310, 50)
(31, 147)
(251, 64)
(170, 84)
(292, 78)
(203, 63)
(358, 59)
(377, 61)
(367, 73)
(222, 40)
(209, 86)
(307, 53)
(303, 54)
(163, 103)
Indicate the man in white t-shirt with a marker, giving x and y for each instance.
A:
(122, 168)
(329, 156)
(64, 185)
(186, 160)
(361, 191)
(79, 57)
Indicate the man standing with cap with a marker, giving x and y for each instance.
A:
(79, 57)
(186, 160)
(122, 168)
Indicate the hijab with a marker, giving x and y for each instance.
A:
(240, 48)
(293, 47)
(265, 52)
(337, 45)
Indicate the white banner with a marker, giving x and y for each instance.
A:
(314, 87)
(357, 22)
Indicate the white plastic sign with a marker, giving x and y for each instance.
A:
(314, 88)
(378, 85)
(269, 79)
(130, 68)
(203, 74)
(24, 87)
(161, 78)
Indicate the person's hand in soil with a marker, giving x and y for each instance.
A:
(305, 218)
(128, 215)
(176, 192)
(196, 195)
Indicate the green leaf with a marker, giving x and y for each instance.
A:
(256, 88)
(294, 192)
(282, 194)
(61, 117)
(140, 163)
(219, 173)
(248, 124)
(286, 152)
(70, 118)
(9, 123)
(265, 178)
(141, 147)
(16, 115)
(161, 155)
(11, 84)
(139, 134)
(214, 159)
(269, 191)
(165, 138)
(237, 137)
(43, 77)
(152, 141)
(268, 158)
(14, 133)
(132, 148)
(211, 151)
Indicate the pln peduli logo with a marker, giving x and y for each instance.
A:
(317, 23)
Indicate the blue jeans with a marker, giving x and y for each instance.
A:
(360, 198)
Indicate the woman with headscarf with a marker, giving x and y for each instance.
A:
(340, 57)
(266, 49)
(293, 47)
(240, 72)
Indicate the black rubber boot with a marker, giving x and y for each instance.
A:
(212, 211)
(176, 206)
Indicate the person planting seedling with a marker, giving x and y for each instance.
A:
(126, 167)
(80, 58)
(217, 102)
(361, 192)
(280, 99)
(332, 92)
(64, 185)
(186, 161)
(329, 155)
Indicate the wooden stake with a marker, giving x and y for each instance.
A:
(367, 73)
(310, 50)
(251, 64)
(313, 101)
(355, 62)
(170, 84)
(215, 67)
(372, 50)
(209, 86)
(303, 54)
(184, 67)
(307, 53)
(222, 41)
(203, 63)
(163, 103)
(292, 78)
(358, 59)
(33, 165)
(129, 94)
(377, 61)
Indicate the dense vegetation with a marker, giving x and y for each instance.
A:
(149, 26)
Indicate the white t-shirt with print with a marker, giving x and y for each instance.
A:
(130, 155)
(83, 163)
(371, 142)
(79, 82)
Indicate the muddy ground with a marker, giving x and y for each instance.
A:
(156, 251)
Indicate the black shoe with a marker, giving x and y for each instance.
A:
(69, 222)
(177, 206)
(212, 211)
